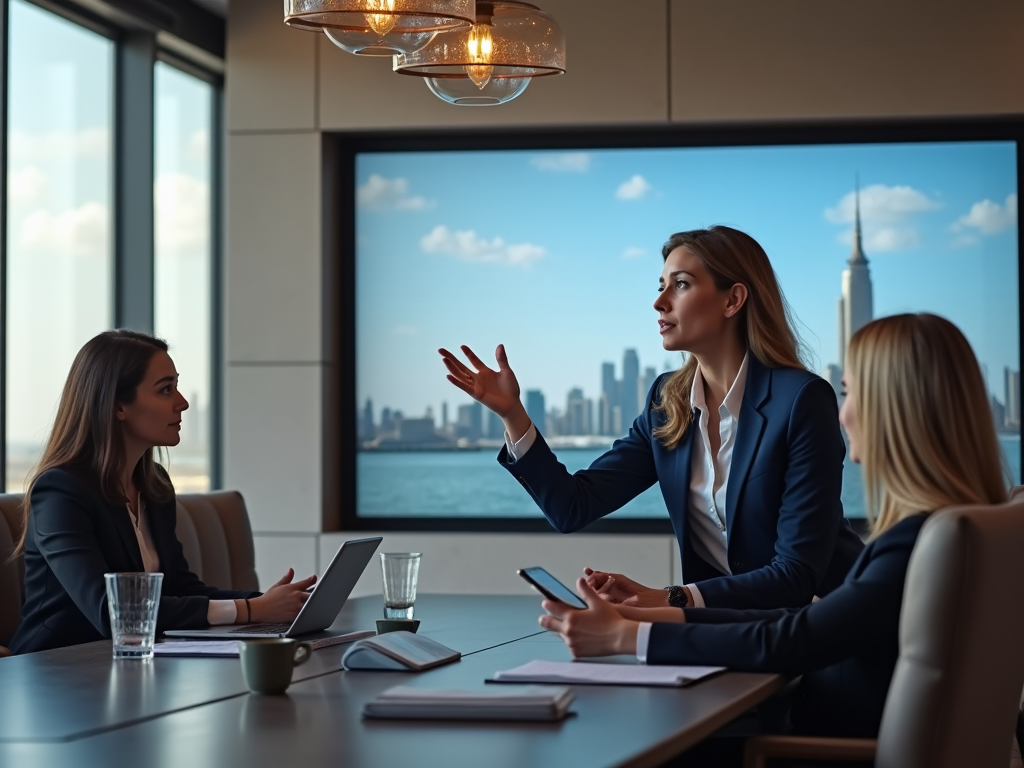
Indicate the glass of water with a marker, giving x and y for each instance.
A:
(401, 572)
(133, 600)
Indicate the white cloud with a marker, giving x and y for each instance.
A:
(988, 218)
(198, 146)
(382, 194)
(27, 186)
(881, 205)
(26, 147)
(563, 162)
(633, 252)
(182, 224)
(892, 239)
(82, 231)
(634, 188)
(887, 216)
(467, 246)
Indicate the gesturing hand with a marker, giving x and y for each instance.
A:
(283, 601)
(616, 588)
(599, 630)
(497, 390)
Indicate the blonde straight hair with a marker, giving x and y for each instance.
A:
(765, 321)
(926, 431)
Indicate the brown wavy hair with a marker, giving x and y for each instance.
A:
(86, 434)
(927, 435)
(765, 321)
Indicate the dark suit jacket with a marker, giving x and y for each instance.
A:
(787, 538)
(845, 645)
(74, 537)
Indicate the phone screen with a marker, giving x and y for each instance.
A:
(551, 587)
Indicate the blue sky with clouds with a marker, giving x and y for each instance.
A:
(557, 254)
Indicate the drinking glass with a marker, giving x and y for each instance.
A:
(133, 600)
(401, 571)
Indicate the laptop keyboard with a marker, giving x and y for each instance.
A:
(262, 629)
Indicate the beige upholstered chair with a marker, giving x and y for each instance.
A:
(12, 574)
(213, 529)
(956, 689)
(214, 532)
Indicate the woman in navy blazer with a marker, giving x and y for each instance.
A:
(743, 441)
(918, 421)
(98, 503)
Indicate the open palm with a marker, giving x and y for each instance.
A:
(497, 390)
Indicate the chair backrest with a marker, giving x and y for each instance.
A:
(215, 534)
(954, 696)
(212, 527)
(12, 572)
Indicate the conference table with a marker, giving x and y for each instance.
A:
(76, 707)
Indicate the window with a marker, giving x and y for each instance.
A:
(183, 258)
(556, 254)
(59, 242)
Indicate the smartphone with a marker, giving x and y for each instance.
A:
(551, 587)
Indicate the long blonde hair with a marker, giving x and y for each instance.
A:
(927, 436)
(765, 323)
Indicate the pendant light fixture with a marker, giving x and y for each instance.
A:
(379, 27)
(492, 61)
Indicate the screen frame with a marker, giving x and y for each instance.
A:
(339, 151)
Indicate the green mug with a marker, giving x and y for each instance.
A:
(267, 664)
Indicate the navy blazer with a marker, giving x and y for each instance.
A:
(74, 537)
(787, 538)
(845, 645)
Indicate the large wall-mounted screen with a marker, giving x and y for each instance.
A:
(557, 253)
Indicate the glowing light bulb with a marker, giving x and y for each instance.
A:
(479, 46)
(381, 23)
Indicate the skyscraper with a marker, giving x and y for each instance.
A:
(577, 413)
(535, 409)
(630, 385)
(1011, 380)
(856, 306)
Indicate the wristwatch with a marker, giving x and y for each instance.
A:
(677, 597)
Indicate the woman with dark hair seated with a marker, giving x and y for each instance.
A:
(98, 502)
(918, 420)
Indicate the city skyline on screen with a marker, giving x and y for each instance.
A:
(557, 254)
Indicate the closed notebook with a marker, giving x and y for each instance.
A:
(527, 703)
(590, 673)
(399, 651)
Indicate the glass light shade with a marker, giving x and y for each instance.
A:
(368, 43)
(463, 92)
(509, 41)
(379, 17)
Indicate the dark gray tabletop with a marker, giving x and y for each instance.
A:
(73, 692)
(318, 722)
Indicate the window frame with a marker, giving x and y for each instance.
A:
(339, 243)
(140, 41)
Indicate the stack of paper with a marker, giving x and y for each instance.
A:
(583, 673)
(529, 703)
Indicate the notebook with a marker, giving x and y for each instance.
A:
(528, 703)
(589, 673)
(230, 647)
(399, 651)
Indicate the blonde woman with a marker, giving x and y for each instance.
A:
(743, 441)
(918, 421)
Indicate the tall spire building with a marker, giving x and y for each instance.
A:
(856, 305)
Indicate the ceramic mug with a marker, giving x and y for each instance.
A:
(267, 664)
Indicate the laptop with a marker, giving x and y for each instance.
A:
(321, 607)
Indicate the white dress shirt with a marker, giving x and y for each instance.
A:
(219, 612)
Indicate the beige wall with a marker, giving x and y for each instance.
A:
(644, 62)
